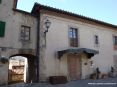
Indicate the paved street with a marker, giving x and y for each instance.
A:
(111, 82)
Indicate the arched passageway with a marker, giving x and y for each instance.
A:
(30, 75)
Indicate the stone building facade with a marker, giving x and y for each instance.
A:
(74, 45)
(12, 40)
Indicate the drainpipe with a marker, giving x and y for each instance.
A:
(38, 48)
(15, 4)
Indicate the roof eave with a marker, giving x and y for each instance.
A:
(37, 7)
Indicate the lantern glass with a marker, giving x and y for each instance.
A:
(47, 23)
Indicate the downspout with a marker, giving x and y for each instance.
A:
(15, 4)
(38, 48)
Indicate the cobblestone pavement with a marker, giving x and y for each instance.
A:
(111, 82)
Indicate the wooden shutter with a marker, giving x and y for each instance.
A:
(2, 29)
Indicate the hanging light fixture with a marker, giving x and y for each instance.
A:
(47, 25)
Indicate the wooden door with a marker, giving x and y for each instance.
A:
(74, 67)
(16, 74)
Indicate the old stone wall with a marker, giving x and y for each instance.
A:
(11, 43)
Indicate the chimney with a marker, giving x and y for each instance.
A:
(15, 4)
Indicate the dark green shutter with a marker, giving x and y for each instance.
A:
(0, 1)
(2, 29)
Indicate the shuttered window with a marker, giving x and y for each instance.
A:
(0, 1)
(2, 29)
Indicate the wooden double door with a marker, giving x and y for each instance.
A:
(74, 67)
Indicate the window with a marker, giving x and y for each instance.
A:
(2, 28)
(0, 1)
(115, 42)
(96, 40)
(73, 36)
(25, 33)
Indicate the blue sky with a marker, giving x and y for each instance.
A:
(104, 10)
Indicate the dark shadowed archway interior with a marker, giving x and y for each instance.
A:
(22, 68)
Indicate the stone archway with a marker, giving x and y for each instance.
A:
(31, 66)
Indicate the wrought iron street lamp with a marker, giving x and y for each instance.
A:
(47, 25)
